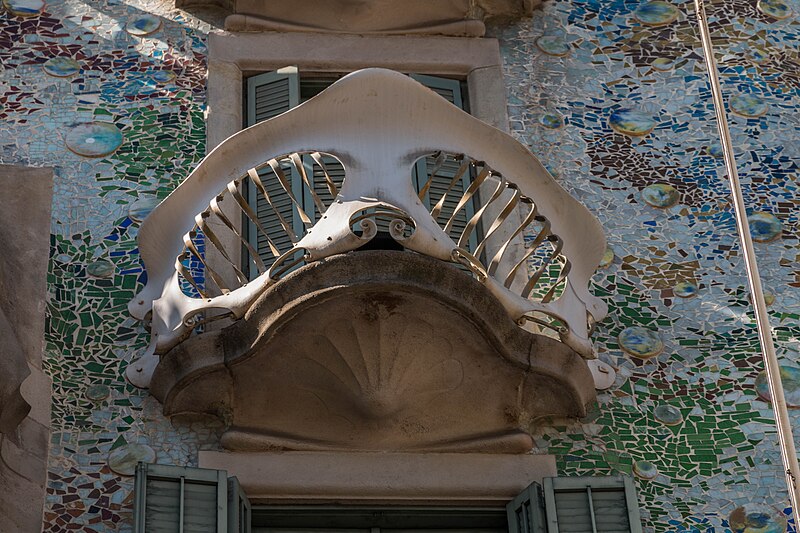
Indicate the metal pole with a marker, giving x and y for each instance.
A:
(786, 442)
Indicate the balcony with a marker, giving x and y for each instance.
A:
(367, 319)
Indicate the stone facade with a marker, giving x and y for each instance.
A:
(611, 95)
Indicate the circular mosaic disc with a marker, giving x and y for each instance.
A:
(660, 195)
(753, 518)
(163, 76)
(553, 45)
(656, 13)
(645, 470)
(764, 227)
(669, 415)
(607, 259)
(101, 268)
(777, 9)
(640, 342)
(97, 393)
(24, 8)
(123, 460)
(790, 377)
(139, 209)
(143, 25)
(551, 121)
(714, 150)
(94, 139)
(685, 289)
(769, 298)
(631, 122)
(748, 105)
(662, 63)
(61, 67)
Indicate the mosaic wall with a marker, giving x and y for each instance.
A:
(613, 97)
(611, 93)
(112, 97)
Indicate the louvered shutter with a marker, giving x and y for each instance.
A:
(526, 512)
(591, 505)
(239, 512)
(173, 499)
(450, 90)
(269, 95)
(335, 172)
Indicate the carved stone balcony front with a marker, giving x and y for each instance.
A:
(458, 338)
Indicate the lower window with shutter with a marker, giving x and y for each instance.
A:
(577, 505)
(175, 499)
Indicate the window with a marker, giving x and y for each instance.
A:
(171, 499)
(579, 504)
(273, 93)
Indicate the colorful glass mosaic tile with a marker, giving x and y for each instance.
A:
(628, 81)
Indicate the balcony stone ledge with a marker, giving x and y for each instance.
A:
(375, 351)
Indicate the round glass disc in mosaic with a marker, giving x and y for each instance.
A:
(656, 13)
(662, 63)
(769, 298)
(645, 469)
(143, 25)
(61, 67)
(97, 393)
(552, 45)
(714, 150)
(607, 259)
(24, 8)
(660, 195)
(748, 105)
(777, 9)
(123, 460)
(753, 518)
(162, 76)
(100, 269)
(94, 139)
(790, 376)
(631, 122)
(669, 415)
(685, 289)
(764, 227)
(551, 121)
(640, 342)
(139, 209)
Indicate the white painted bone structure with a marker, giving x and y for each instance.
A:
(378, 124)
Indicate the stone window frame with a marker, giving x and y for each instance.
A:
(234, 56)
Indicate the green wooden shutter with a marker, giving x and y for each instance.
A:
(174, 499)
(526, 512)
(450, 90)
(591, 505)
(239, 511)
(315, 172)
(269, 95)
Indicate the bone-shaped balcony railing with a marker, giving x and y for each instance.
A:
(372, 127)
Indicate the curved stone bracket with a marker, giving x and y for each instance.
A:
(401, 353)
